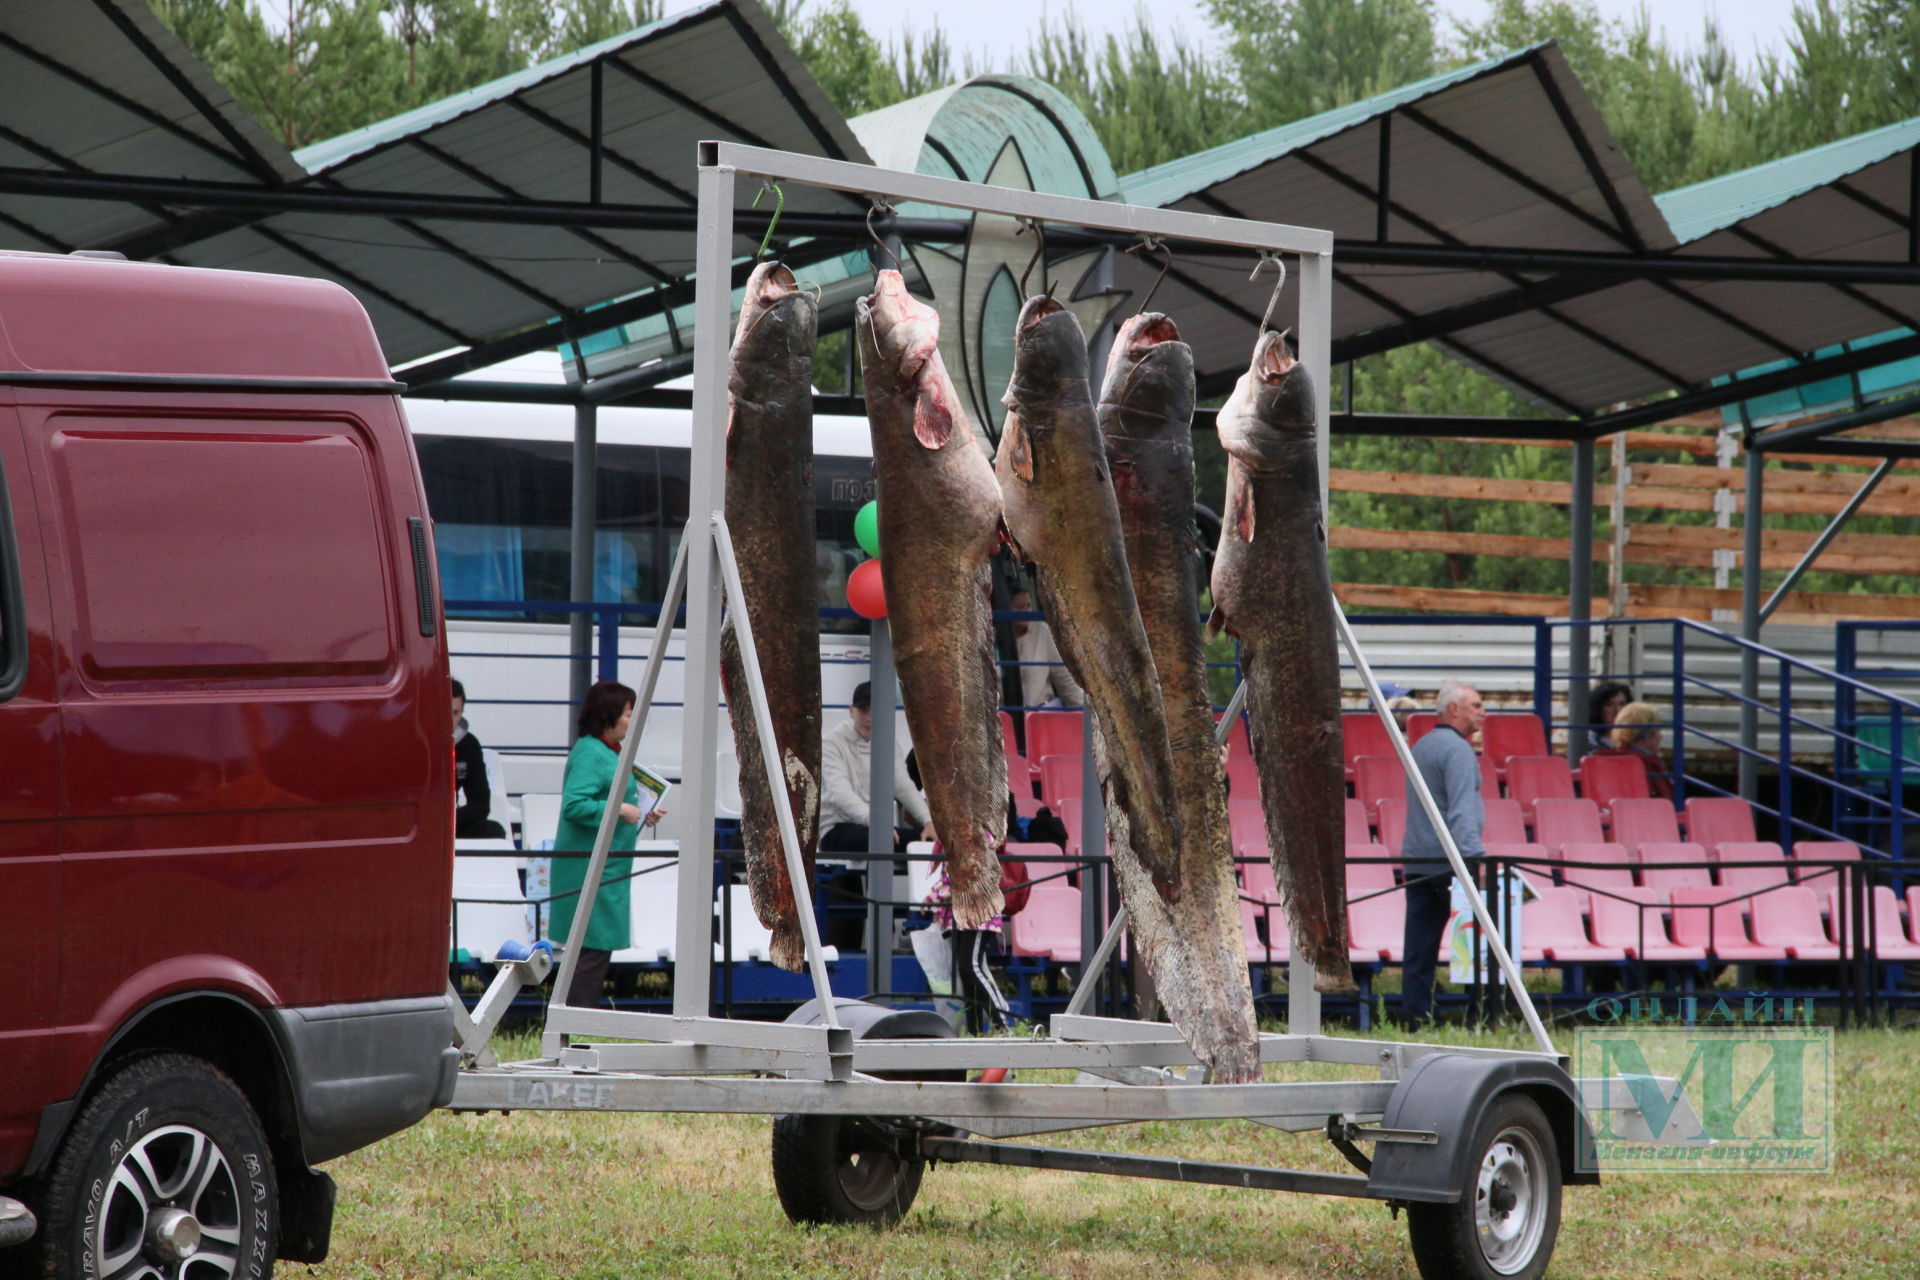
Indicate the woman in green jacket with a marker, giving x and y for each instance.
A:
(604, 718)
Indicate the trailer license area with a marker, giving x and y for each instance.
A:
(583, 1095)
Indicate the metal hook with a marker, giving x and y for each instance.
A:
(1273, 299)
(779, 207)
(1039, 255)
(878, 206)
(1147, 245)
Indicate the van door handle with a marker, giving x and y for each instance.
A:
(423, 576)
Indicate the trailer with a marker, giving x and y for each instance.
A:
(1475, 1144)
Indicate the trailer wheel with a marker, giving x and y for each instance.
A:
(165, 1173)
(1508, 1216)
(842, 1169)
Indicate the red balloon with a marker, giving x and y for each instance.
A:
(866, 595)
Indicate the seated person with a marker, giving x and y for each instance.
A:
(846, 754)
(1633, 735)
(470, 788)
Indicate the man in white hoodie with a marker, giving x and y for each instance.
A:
(846, 751)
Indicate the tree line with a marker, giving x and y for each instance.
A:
(312, 69)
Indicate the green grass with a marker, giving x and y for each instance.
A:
(691, 1196)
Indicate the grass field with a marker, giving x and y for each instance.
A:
(566, 1195)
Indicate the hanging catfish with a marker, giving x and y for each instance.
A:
(769, 509)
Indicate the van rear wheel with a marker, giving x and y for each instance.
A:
(165, 1173)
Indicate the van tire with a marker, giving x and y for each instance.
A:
(212, 1186)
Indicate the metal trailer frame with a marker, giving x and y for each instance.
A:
(690, 1061)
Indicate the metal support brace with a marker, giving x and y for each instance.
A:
(1827, 535)
(1580, 597)
(1752, 525)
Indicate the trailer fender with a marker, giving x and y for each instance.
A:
(878, 1022)
(1446, 1094)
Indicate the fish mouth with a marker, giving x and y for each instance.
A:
(1271, 359)
(1148, 330)
(1038, 308)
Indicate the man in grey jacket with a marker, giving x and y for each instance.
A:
(1447, 762)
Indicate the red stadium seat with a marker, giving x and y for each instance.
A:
(1554, 931)
(1249, 930)
(1893, 944)
(1367, 877)
(1055, 733)
(1357, 831)
(1258, 882)
(1507, 734)
(1489, 780)
(1631, 920)
(1736, 880)
(1049, 925)
(1822, 879)
(1789, 919)
(1534, 778)
(1613, 870)
(1060, 778)
(1243, 775)
(1022, 773)
(1393, 825)
(1658, 873)
(1377, 929)
(1538, 860)
(1605, 779)
(1503, 824)
(1713, 820)
(1419, 725)
(1710, 918)
(1247, 828)
(1635, 822)
(1377, 778)
(1070, 813)
(1560, 822)
(1362, 734)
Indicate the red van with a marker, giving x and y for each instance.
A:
(226, 823)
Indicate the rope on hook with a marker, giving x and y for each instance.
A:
(779, 207)
(1273, 299)
(880, 205)
(1039, 256)
(1146, 245)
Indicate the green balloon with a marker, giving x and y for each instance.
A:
(866, 528)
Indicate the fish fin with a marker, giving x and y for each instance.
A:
(975, 906)
(789, 946)
(1015, 438)
(1216, 623)
(1243, 513)
(1335, 982)
(932, 421)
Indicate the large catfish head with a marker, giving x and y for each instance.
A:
(1149, 386)
(1269, 418)
(778, 319)
(1049, 361)
(899, 339)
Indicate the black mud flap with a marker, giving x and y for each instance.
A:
(1446, 1094)
(306, 1214)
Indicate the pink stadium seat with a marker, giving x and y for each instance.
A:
(1243, 776)
(1707, 918)
(1605, 779)
(1637, 821)
(1362, 734)
(1613, 872)
(1534, 778)
(1022, 773)
(1562, 822)
(1658, 873)
(1025, 803)
(1376, 929)
(1060, 778)
(1789, 919)
(1257, 877)
(1554, 931)
(1503, 824)
(1738, 880)
(1070, 813)
(1055, 733)
(1894, 944)
(1367, 877)
(1247, 825)
(1357, 832)
(1277, 948)
(1713, 820)
(1377, 778)
(1049, 925)
(1539, 863)
(1392, 824)
(1250, 914)
(1630, 919)
(1419, 725)
(1489, 780)
(1508, 734)
(1822, 879)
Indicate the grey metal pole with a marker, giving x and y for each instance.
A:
(886, 695)
(1580, 597)
(1750, 619)
(580, 631)
(1827, 535)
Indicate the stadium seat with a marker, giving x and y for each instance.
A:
(1558, 822)
(1060, 778)
(1631, 920)
(1357, 831)
(1049, 925)
(1710, 918)
(1243, 775)
(1538, 859)
(1247, 825)
(1713, 820)
(1393, 824)
(1789, 918)
(1250, 914)
(1069, 813)
(1506, 734)
(1367, 877)
(1893, 945)
(1377, 929)
(1613, 870)
(1739, 880)
(1055, 733)
(1535, 778)
(539, 819)
(1362, 734)
(1635, 822)
(751, 941)
(488, 906)
(1022, 773)
(1377, 778)
(1658, 873)
(653, 932)
(1420, 724)
(1489, 780)
(1822, 879)
(1605, 779)
(1504, 824)
(1257, 877)
(1555, 932)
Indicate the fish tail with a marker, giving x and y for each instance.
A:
(789, 947)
